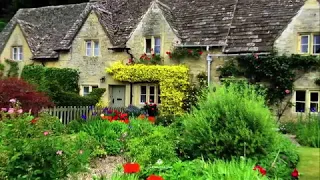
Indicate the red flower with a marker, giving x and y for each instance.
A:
(34, 121)
(189, 51)
(153, 55)
(152, 109)
(200, 53)
(287, 91)
(261, 170)
(126, 121)
(131, 168)
(295, 173)
(154, 177)
(170, 57)
(256, 56)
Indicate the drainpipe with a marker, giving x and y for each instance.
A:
(209, 60)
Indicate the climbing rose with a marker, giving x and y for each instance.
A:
(154, 177)
(59, 152)
(131, 168)
(295, 173)
(287, 91)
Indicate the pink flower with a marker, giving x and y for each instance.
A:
(20, 111)
(45, 133)
(12, 100)
(59, 152)
(11, 110)
(81, 152)
(287, 91)
(4, 109)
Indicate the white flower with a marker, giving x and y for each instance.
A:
(159, 162)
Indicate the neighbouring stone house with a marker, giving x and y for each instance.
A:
(92, 36)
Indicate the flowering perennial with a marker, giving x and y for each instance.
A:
(131, 168)
(115, 115)
(261, 170)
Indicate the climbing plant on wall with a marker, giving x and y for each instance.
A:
(13, 68)
(173, 81)
(278, 72)
(180, 53)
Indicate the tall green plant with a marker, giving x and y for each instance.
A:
(230, 121)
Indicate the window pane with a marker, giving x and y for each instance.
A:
(20, 53)
(313, 107)
(148, 45)
(151, 89)
(143, 98)
(88, 48)
(86, 90)
(314, 96)
(300, 96)
(143, 90)
(316, 39)
(304, 39)
(96, 48)
(159, 99)
(304, 48)
(151, 98)
(316, 49)
(300, 107)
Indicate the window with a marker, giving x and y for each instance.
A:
(316, 44)
(157, 45)
(92, 48)
(148, 45)
(153, 45)
(309, 43)
(87, 89)
(149, 94)
(306, 101)
(17, 53)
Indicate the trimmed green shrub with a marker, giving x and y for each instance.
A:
(231, 121)
(146, 143)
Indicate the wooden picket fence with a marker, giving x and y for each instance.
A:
(69, 113)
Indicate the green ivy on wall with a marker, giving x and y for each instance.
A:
(1, 70)
(278, 72)
(13, 69)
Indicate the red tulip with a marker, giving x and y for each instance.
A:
(154, 177)
(131, 168)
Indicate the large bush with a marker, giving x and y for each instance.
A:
(38, 149)
(230, 121)
(13, 88)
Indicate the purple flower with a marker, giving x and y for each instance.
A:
(4, 109)
(84, 117)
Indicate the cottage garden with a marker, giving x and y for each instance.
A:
(218, 132)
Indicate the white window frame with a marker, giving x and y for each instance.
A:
(313, 43)
(91, 52)
(156, 95)
(153, 44)
(304, 35)
(307, 100)
(90, 88)
(17, 56)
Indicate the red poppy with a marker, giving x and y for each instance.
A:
(261, 170)
(34, 121)
(200, 53)
(131, 168)
(295, 173)
(154, 177)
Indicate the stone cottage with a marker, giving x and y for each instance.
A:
(92, 36)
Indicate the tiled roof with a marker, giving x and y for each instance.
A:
(244, 25)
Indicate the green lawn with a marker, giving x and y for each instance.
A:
(309, 165)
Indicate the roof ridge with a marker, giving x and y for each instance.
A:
(55, 6)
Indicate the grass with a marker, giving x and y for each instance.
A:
(309, 166)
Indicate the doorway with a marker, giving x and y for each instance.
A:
(118, 95)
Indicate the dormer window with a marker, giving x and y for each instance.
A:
(92, 48)
(153, 45)
(17, 54)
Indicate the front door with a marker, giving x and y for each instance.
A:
(118, 96)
